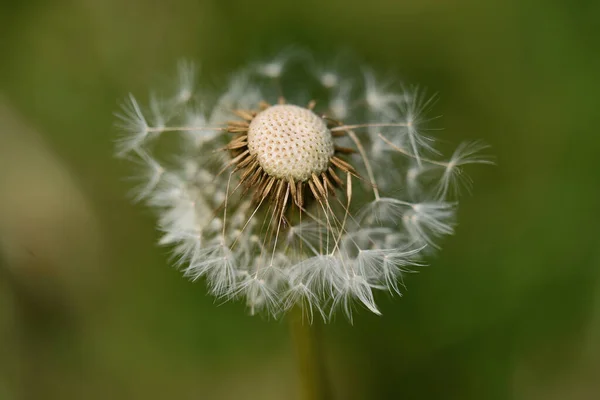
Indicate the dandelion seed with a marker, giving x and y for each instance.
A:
(187, 80)
(381, 101)
(338, 104)
(286, 203)
(275, 67)
(425, 222)
(133, 123)
(453, 177)
(328, 79)
(150, 176)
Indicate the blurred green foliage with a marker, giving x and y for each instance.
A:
(510, 309)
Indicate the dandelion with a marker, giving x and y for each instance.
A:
(284, 197)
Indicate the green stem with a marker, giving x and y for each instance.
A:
(310, 355)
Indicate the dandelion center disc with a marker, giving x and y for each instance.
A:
(290, 142)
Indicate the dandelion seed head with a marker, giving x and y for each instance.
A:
(281, 202)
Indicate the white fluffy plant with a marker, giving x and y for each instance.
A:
(298, 186)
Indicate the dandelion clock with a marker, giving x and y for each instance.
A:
(298, 185)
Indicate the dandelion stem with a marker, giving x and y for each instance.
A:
(309, 350)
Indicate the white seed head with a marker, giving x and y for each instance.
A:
(247, 202)
(290, 142)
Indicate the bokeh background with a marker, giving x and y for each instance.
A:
(510, 309)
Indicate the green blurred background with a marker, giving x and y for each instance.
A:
(90, 309)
